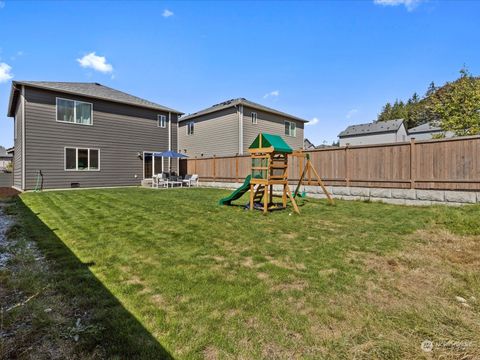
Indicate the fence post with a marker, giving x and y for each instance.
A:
(195, 165)
(236, 168)
(347, 163)
(412, 163)
(214, 170)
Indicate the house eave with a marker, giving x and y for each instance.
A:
(236, 103)
(38, 86)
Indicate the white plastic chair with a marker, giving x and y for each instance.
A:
(191, 180)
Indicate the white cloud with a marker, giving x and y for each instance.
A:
(98, 63)
(313, 121)
(409, 4)
(5, 72)
(271, 93)
(167, 13)
(351, 113)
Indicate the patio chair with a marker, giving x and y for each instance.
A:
(191, 180)
(159, 181)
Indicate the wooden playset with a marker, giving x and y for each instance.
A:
(269, 169)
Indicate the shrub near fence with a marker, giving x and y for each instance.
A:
(446, 164)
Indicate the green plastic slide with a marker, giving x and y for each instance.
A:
(237, 194)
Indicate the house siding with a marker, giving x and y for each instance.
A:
(17, 155)
(271, 124)
(215, 134)
(120, 131)
(399, 136)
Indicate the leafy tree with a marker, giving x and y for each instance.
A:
(457, 105)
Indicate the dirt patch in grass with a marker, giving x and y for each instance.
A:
(298, 285)
(286, 263)
(8, 192)
(211, 353)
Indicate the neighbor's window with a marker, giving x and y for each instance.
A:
(190, 128)
(290, 128)
(254, 118)
(72, 111)
(82, 159)
(162, 121)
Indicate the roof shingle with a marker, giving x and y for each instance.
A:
(378, 127)
(238, 101)
(96, 90)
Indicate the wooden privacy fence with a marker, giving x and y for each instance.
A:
(446, 164)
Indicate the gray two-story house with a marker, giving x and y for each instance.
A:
(228, 128)
(87, 135)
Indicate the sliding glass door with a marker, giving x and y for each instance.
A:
(147, 165)
(152, 165)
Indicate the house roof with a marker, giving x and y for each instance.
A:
(307, 144)
(93, 90)
(378, 127)
(425, 128)
(235, 102)
(269, 140)
(4, 153)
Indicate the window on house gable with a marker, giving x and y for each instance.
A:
(162, 121)
(290, 128)
(254, 118)
(76, 112)
(190, 128)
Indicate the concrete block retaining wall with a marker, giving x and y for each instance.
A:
(390, 196)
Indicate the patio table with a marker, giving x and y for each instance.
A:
(174, 182)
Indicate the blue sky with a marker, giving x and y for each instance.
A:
(337, 62)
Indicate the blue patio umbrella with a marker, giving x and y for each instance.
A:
(170, 154)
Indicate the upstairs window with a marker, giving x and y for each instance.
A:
(80, 159)
(76, 112)
(290, 128)
(190, 128)
(254, 118)
(162, 121)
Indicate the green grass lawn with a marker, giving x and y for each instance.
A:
(172, 272)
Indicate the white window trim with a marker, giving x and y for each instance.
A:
(256, 118)
(74, 112)
(159, 117)
(188, 126)
(289, 126)
(76, 158)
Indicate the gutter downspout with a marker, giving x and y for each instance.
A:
(23, 137)
(169, 139)
(240, 129)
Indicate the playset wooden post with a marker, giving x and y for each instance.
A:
(307, 171)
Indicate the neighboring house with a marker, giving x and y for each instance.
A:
(428, 131)
(86, 135)
(5, 158)
(230, 127)
(379, 132)
(307, 145)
